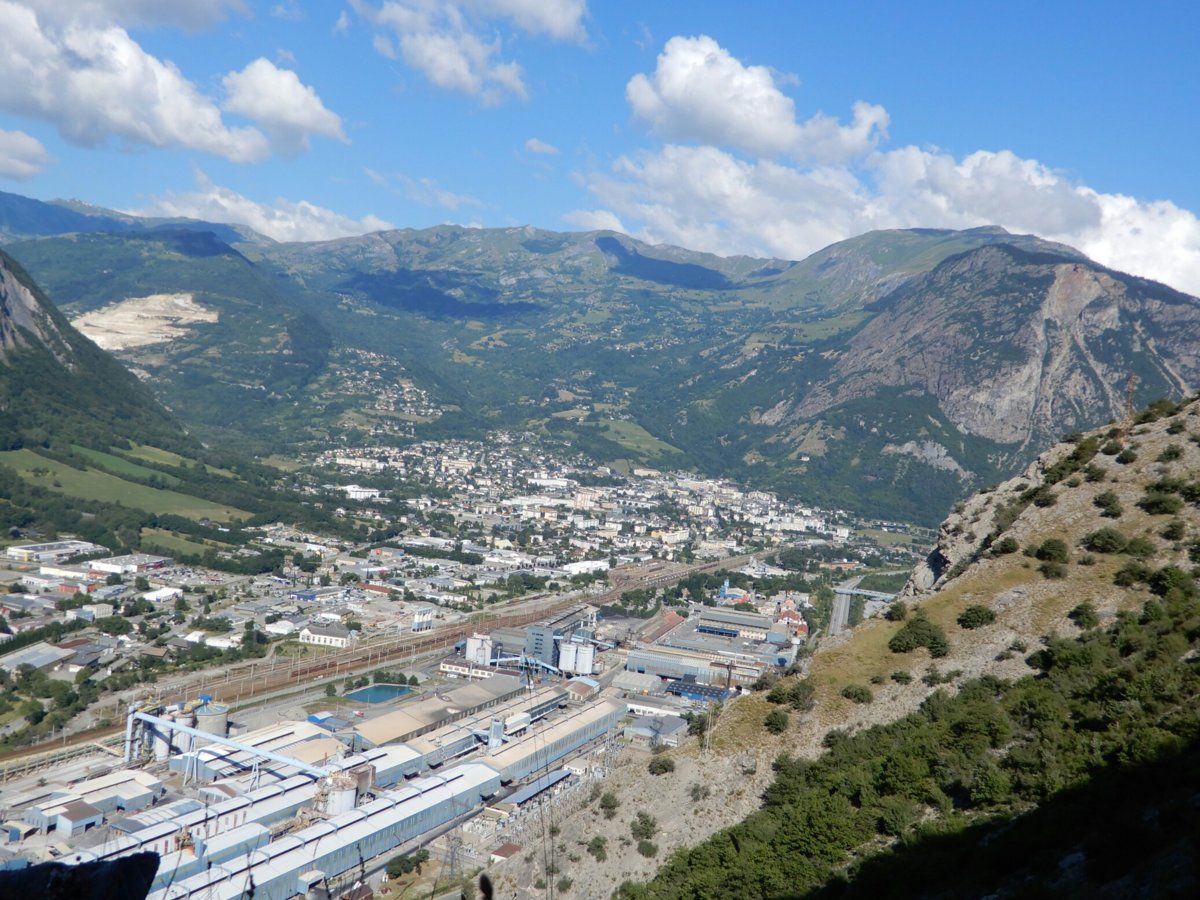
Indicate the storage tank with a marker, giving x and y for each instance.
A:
(341, 794)
(161, 743)
(585, 659)
(213, 718)
(568, 651)
(479, 649)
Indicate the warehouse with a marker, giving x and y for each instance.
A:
(540, 749)
(301, 859)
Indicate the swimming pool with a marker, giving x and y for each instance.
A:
(378, 693)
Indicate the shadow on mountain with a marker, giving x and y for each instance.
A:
(661, 271)
(414, 292)
(125, 878)
(1127, 832)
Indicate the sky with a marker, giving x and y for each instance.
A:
(765, 128)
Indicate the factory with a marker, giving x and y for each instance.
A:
(561, 643)
(296, 804)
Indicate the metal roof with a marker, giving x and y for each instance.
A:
(531, 790)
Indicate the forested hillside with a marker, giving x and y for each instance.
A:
(1049, 700)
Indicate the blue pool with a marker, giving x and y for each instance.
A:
(378, 693)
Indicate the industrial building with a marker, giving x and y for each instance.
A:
(422, 716)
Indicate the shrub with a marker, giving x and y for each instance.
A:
(901, 677)
(1006, 545)
(661, 765)
(776, 721)
(897, 612)
(920, 632)
(1157, 504)
(1109, 504)
(1105, 540)
(1126, 456)
(1171, 577)
(1140, 548)
(647, 849)
(598, 847)
(1094, 473)
(1175, 530)
(1170, 453)
(1044, 497)
(1112, 448)
(1053, 550)
(609, 804)
(1084, 615)
(564, 884)
(857, 693)
(976, 617)
(643, 827)
(1053, 570)
(699, 792)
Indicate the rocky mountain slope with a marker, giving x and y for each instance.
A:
(55, 382)
(889, 374)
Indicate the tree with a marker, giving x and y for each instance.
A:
(405, 863)
(776, 721)
(920, 632)
(609, 804)
(598, 848)
(330, 690)
(114, 625)
(1006, 544)
(1105, 540)
(1084, 615)
(1109, 505)
(643, 827)
(897, 612)
(976, 616)
(1053, 550)
(661, 765)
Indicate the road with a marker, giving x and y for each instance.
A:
(841, 606)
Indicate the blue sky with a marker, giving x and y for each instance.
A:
(685, 123)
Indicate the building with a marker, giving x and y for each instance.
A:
(543, 638)
(130, 564)
(656, 731)
(55, 551)
(732, 623)
(40, 655)
(331, 635)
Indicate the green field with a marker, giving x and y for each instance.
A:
(119, 466)
(92, 484)
(169, 542)
(634, 437)
(167, 458)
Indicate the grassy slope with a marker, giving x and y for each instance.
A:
(93, 484)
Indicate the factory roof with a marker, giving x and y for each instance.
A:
(40, 655)
(416, 717)
(536, 743)
(531, 790)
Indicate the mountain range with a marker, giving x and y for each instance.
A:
(886, 374)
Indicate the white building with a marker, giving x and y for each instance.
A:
(333, 635)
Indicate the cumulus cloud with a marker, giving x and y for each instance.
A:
(95, 83)
(21, 155)
(281, 219)
(288, 110)
(595, 220)
(700, 92)
(533, 145)
(733, 193)
(454, 43)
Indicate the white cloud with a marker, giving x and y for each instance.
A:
(428, 192)
(595, 220)
(289, 11)
(342, 25)
(454, 42)
(700, 92)
(95, 83)
(533, 145)
(282, 219)
(711, 198)
(288, 110)
(21, 155)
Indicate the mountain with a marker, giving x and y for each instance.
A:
(55, 382)
(1046, 745)
(24, 217)
(887, 374)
